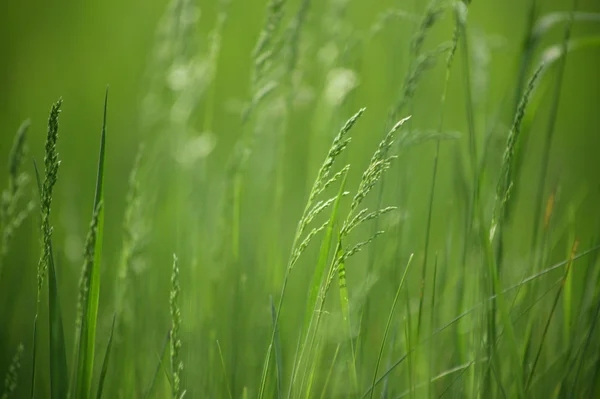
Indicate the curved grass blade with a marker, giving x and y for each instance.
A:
(92, 296)
(59, 384)
(387, 326)
(106, 360)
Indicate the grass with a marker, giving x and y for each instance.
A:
(285, 284)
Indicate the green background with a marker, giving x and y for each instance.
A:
(73, 49)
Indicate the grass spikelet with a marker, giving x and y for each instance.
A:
(263, 53)
(11, 216)
(11, 379)
(504, 185)
(338, 145)
(176, 363)
(133, 229)
(434, 12)
(51, 165)
(353, 250)
(304, 244)
(421, 64)
(340, 142)
(364, 216)
(380, 162)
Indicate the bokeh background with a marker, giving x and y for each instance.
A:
(74, 49)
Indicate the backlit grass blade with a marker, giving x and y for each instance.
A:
(106, 360)
(59, 385)
(388, 324)
(91, 279)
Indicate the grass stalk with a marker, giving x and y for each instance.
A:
(388, 324)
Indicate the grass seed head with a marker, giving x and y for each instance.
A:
(51, 164)
(176, 363)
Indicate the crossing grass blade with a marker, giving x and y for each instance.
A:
(550, 316)
(106, 360)
(388, 324)
(278, 359)
(86, 345)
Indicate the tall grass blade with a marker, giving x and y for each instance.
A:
(90, 282)
(387, 326)
(106, 360)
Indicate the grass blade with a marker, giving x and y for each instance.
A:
(387, 326)
(278, 359)
(326, 383)
(224, 370)
(59, 383)
(90, 288)
(158, 366)
(549, 320)
(106, 360)
(33, 358)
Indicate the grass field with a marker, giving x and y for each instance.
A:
(300, 199)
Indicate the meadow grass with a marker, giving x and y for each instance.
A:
(484, 284)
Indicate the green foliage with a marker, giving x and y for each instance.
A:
(242, 169)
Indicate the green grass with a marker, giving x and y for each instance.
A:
(295, 217)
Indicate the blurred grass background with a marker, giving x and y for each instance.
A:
(74, 49)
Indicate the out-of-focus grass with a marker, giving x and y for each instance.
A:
(236, 104)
